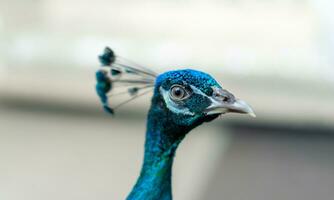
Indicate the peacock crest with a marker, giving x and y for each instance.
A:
(121, 79)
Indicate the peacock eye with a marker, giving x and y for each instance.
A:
(178, 93)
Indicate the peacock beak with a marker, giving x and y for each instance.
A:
(225, 102)
(238, 106)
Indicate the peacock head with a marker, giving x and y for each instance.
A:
(182, 99)
(189, 98)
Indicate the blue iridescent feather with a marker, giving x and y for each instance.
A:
(119, 73)
(103, 86)
(164, 135)
(107, 58)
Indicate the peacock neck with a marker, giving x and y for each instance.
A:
(154, 182)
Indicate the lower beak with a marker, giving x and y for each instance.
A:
(238, 106)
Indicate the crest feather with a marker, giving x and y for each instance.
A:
(121, 78)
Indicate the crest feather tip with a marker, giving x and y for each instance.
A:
(108, 110)
(108, 57)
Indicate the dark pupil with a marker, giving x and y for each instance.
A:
(178, 92)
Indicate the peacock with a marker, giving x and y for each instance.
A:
(182, 100)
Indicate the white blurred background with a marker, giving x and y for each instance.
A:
(56, 143)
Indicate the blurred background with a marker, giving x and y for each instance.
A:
(57, 143)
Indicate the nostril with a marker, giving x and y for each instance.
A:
(221, 97)
(225, 99)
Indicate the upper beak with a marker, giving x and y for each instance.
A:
(238, 106)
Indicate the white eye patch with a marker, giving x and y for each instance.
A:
(172, 106)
